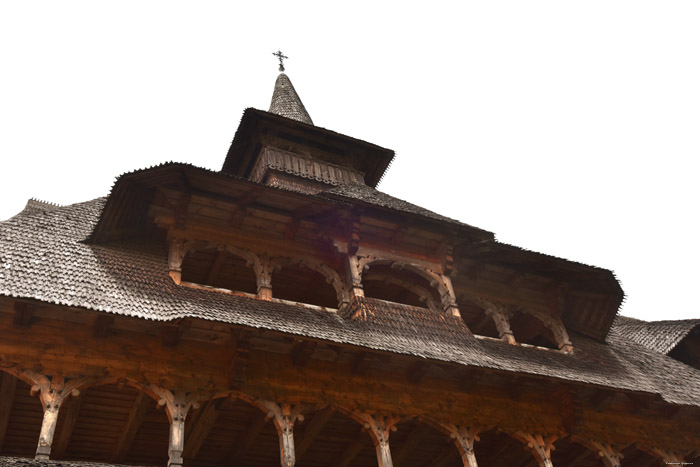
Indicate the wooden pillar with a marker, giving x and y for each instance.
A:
(262, 265)
(177, 404)
(610, 456)
(52, 392)
(284, 417)
(178, 411)
(176, 254)
(447, 296)
(499, 314)
(464, 438)
(379, 428)
(539, 446)
(354, 274)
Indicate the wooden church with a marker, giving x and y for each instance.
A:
(283, 311)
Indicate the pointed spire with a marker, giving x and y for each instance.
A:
(286, 102)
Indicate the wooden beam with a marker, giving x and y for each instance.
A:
(8, 384)
(198, 433)
(69, 412)
(238, 453)
(103, 325)
(236, 369)
(311, 430)
(351, 451)
(241, 211)
(23, 316)
(416, 372)
(216, 266)
(172, 332)
(302, 351)
(133, 423)
(362, 363)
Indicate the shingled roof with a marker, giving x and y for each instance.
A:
(286, 101)
(43, 256)
(659, 336)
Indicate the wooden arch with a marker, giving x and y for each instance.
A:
(331, 275)
(440, 283)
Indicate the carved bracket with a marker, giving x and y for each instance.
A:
(539, 446)
(379, 427)
(555, 325)
(177, 404)
(464, 437)
(52, 391)
(500, 315)
(284, 417)
(610, 456)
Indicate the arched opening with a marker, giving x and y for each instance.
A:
(399, 285)
(219, 268)
(528, 329)
(112, 423)
(20, 419)
(298, 283)
(569, 453)
(418, 444)
(635, 457)
(497, 449)
(329, 438)
(230, 431)
(476, 318)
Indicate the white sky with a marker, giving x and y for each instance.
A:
(570, 128)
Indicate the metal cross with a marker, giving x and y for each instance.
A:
(279, 55)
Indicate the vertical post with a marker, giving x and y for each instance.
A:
(177, 404)
(448, 297)
(176, 254)
(539, 446)
(262, 265)
(609, 455)
(48, 427)
(177, 408)
(284, 417)
(464, 438)
(380, 427)
(52, 392)
(499, 314)
(354, 273)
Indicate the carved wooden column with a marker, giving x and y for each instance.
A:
(464, 438)
(354, 274)
(262, 265)
(447, 296)
(177, 250)
(177, 404)
(379, 428)
(610, 456)
(284, 417)
(539, 446)
(555, 325)
(500, 316)
(52, 393)
(176, 254)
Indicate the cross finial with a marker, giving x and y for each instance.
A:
(281, 57)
